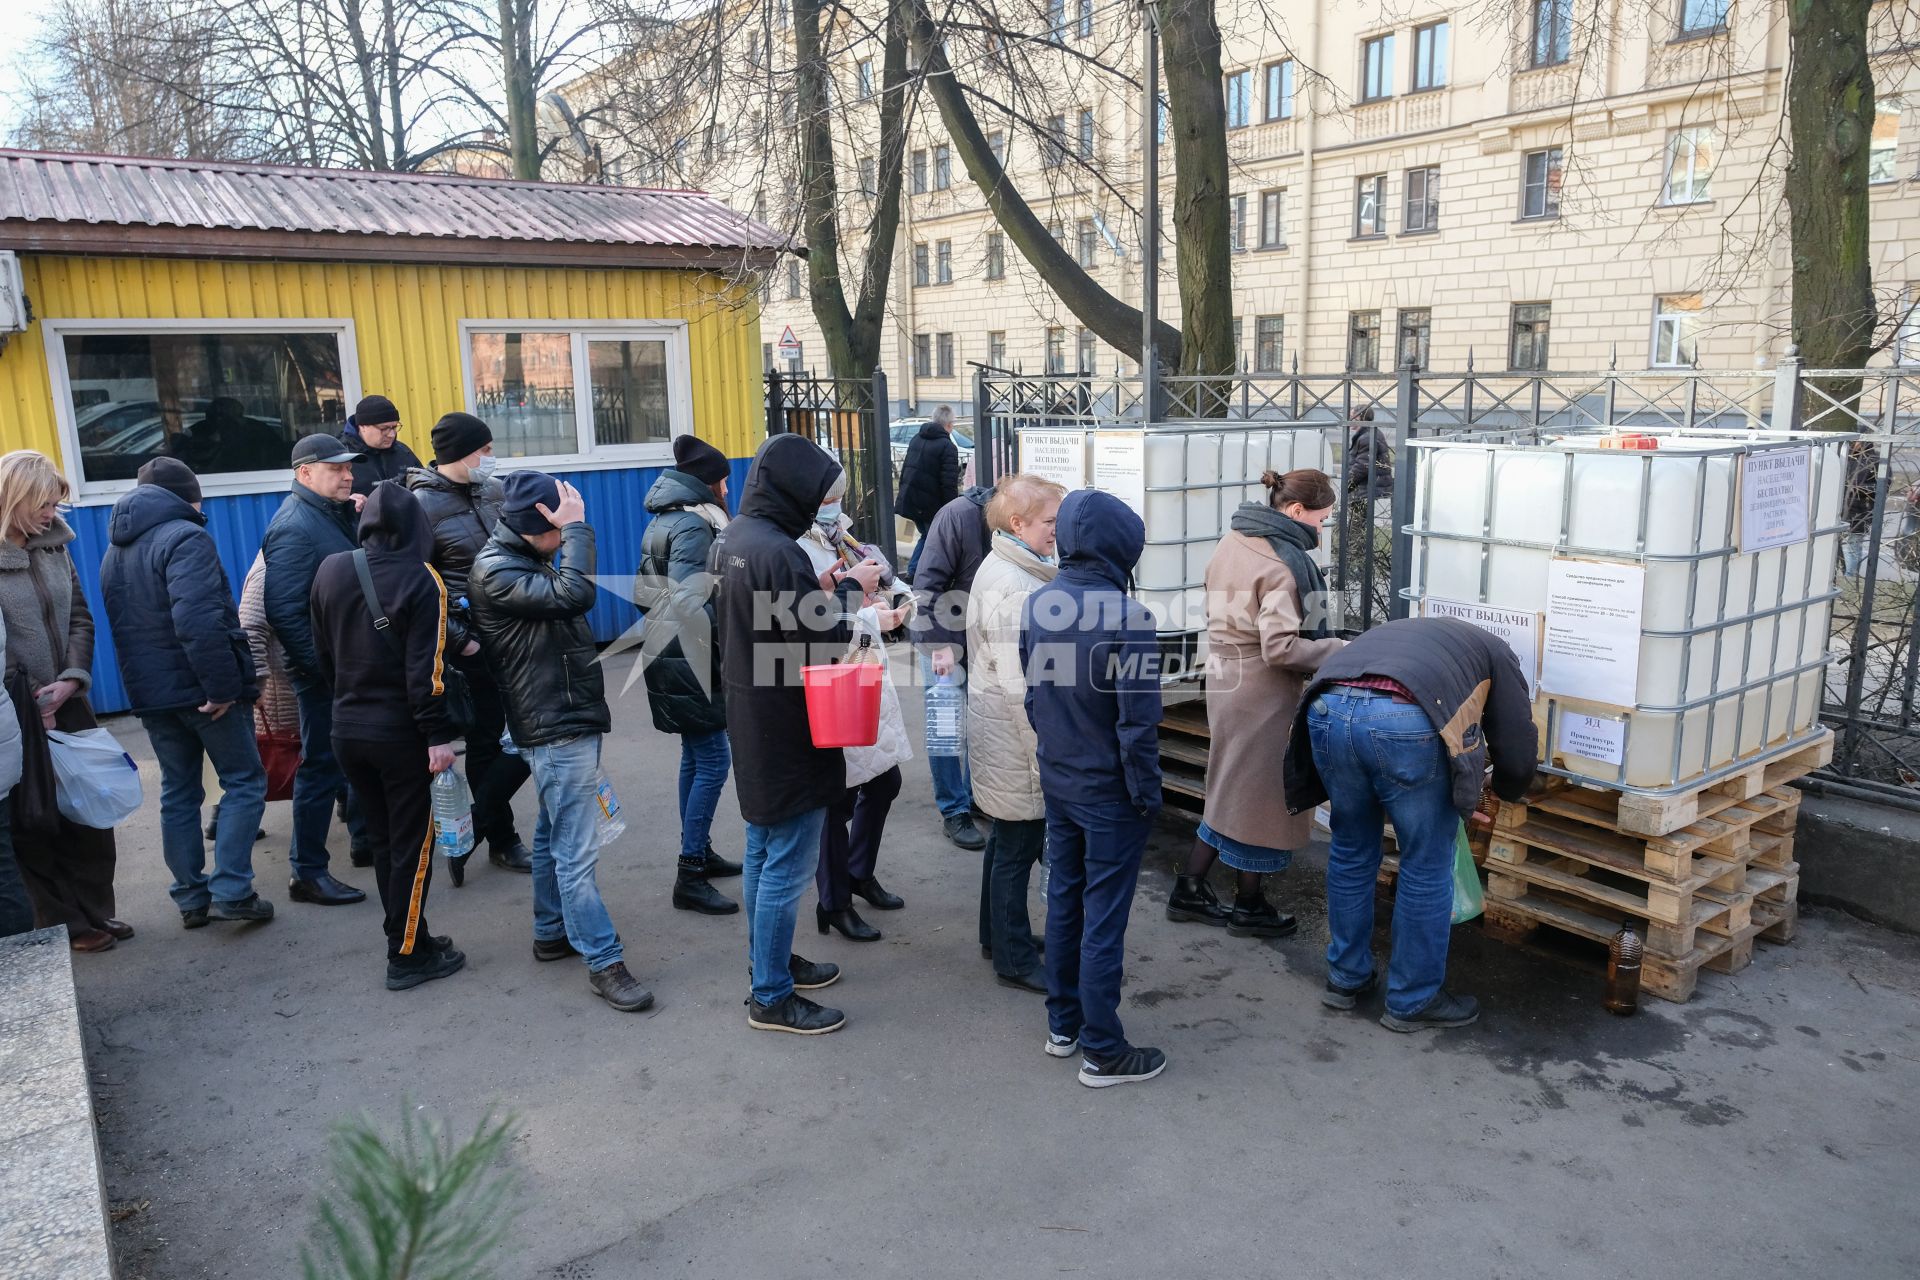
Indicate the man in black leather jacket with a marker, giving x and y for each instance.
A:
(462, 501)
(529, 593)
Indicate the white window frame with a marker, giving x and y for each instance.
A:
(1698, 184)
(88, 493)
(589, 456)
(1678, 317)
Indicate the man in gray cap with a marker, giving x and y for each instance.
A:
(316, 520)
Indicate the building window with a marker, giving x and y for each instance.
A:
(996, 255)
(943, 354)
(942, 167)
(922, 355)
(1369, 201)
(1363, 341)
(797, 361)
(1416, 330)
(793, 278)
(943, 262)
(1528, 350)
(1056, 20)
(1906, 348)
(1083, 24)
(997, 348)
(863, 78)
(1273, 219)
(1269, 333)
(1540, 184)
(576, 389)
(224, 402)
(1083, 242)
(1376, 79)
(1676, 331)
(1239, 352)
(1690, 154)
(1160, 119)
(1702, 17)
(1885, 142)
(1083, 351)
(1237, 225)
(867, 177)
(1423, 200)
(1086, 133)
(1239, 99)
(1552, 42)
(1053, 147)
(1056, 350)
(919, 167)
(922, 266)
(1280, 90)
(1430, 56)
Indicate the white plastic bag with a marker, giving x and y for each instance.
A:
(96, 782)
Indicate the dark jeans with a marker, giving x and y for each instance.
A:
(493, 774)
(1012, 849)
(705, 759)
(16, 909)
(919, 545)
(1382, 759)
(317, 785)
(393, 784)
(182, 741)
(1094, 853)
(850, 839)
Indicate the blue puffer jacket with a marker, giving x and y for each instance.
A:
(1090, 655)
(176, 631)
(304, 531)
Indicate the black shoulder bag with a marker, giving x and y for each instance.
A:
(458, 697)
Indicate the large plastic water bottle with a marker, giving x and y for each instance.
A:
(608, 824)
(946, 719)
(452, 815)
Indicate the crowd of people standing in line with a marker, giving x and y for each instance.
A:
(408, 607)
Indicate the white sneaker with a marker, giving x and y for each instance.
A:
(1061, 1046)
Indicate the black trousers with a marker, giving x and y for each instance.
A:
(493, 774)
(395, 793)
(850, 840)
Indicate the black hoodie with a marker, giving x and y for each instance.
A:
(377, 698)
(773, 619)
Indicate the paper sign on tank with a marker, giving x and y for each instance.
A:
(1592, 649)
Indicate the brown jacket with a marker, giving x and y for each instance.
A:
(1257, 667)
(278, 710)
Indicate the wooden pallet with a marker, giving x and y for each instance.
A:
(1659, 815)
(1184, 741)
(1668, 977)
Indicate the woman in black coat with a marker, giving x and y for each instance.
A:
(929, 478)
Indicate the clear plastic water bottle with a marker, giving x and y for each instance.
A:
(452, 815)
(507, 744)
(609, 825)
(946, 719)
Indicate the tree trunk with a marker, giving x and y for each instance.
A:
(1196, 121)
(1830, 115)
(1117, 323)
(518, 25)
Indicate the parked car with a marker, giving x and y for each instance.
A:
(903, 430)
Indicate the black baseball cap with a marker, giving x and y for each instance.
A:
(323, 448)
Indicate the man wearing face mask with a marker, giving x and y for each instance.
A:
(462, 500)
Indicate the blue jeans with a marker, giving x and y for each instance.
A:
(919, 545)
(181, 739)
(1093, 857)
(705, 759)
(1379, 758)
(566, 898)
(780, 860)
(316, 786)
(16, 908)
(952, 779)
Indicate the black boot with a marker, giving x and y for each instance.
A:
(718, 868)
(691, 892)
(1193, 901)
(510, 855)
(848, 922)
(1257, 918)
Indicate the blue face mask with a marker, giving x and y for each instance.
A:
(828, 516)
(482, 470)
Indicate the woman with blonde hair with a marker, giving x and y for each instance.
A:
(1267, 632)
(1002, 751)
(68, 868)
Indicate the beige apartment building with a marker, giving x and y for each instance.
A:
(1499, 184)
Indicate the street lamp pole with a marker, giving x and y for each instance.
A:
(1149, 209)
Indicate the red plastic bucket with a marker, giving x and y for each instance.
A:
(843, 703)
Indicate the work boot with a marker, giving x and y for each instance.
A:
(1257, 918)
(691, 892)
(424, 965)
(962, 832)
(251, 909)
(1339, 997)
(193, 918)
(510, 855)
(717, 867)
(795, 1015)
(620, 989)
(553, 948)
(1444, 1010)
(1193, 901)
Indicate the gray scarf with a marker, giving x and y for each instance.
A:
(1291, 541)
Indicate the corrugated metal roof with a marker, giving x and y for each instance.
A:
(53, 202)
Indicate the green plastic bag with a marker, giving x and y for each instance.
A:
(1467, 899)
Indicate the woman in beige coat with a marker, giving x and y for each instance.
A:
(1267, 632)
(1001, 749)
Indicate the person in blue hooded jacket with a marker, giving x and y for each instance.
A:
(189, 675)
(1093, 696)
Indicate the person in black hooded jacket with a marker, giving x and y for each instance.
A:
(391, 731)
(775, 616)
(929, 478)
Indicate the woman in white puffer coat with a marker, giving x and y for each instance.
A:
(857, 817)
(1001, 748)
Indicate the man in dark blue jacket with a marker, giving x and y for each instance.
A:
(189, 675)
(373, 432)
(316, 520)
(1093, 697)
